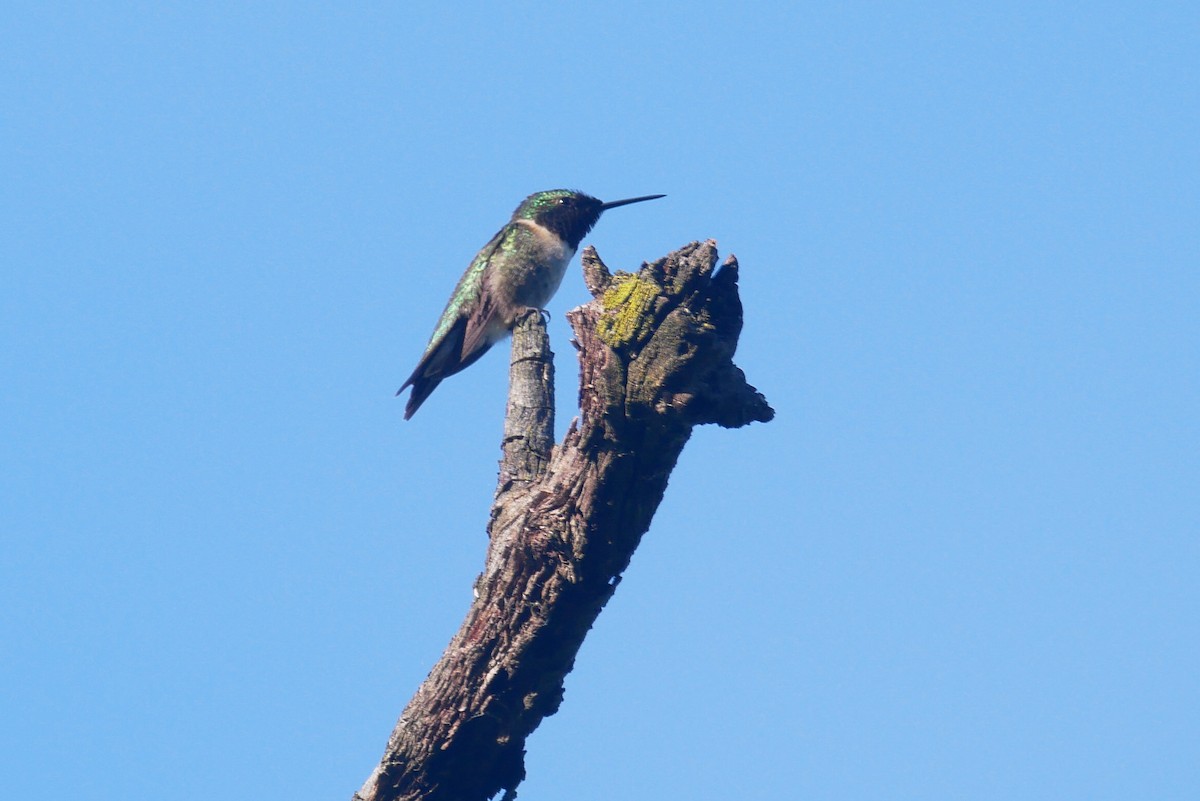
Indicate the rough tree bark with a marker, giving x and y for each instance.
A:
(655, 352)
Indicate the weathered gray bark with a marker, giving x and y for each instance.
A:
(655, 352)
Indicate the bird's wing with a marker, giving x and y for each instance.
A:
(469, 287)
(483, 322)
(448, 351)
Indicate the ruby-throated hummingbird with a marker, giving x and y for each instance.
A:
(519, 269)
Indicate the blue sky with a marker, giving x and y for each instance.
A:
(961, 563)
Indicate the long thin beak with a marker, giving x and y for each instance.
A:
(626, 202)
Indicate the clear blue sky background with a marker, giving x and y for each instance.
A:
(961, 564)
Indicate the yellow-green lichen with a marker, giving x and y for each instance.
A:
(625, 304)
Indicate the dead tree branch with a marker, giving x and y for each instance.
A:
(655, 353)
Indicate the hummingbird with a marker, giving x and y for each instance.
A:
(519, 269)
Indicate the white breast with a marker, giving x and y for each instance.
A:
(548, 265)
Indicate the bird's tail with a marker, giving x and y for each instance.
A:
(441, 361)
(422, 388)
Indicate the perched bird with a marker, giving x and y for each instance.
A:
(519, 269)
